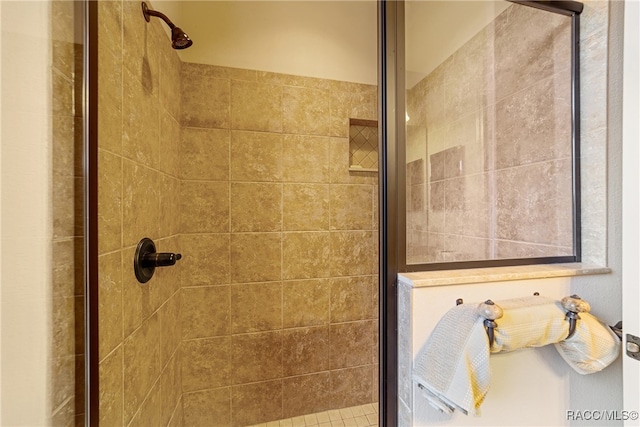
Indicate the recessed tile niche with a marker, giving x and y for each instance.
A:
(363, 145)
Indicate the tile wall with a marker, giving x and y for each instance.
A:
(67, 363)
(272, 311)
(279, 276)
(139, 136)
(496, 184)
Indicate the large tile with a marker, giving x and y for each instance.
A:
(534, 125)
(63, 380)
(67, 267)
(351, 207)
(67, 206)
(140, 203)
(306, 255)
(305, 207)
(256, 156)
(260, 402)
(170, 328)
(140, 46)
(256, 207)
(170, 80)
(206, 363)
(306, 111)
(306, 394)
(171, 388)
(350, 344)
(150, 412)
(256, 307)
(306, 302)
(351, 298)
(256, 257)
(110, 29)
(204, 206)
(110, 302)
(109, 202)
(305, 350)
(351, 387)
(110, 99)
(192, 69)
(550, 35)
(357, 102)
(256, 357)
(205, 311)
(169, 143)
(208, 408)
(141, 365)
(139, 300)
(468, 205)
(206, 102)
(256, 106)
(306, 158)
(111, 389)
(539, 209)
(140, 123)
(352, 253)
(205, 259)
(204, 154)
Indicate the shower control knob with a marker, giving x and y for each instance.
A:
(146, 260)
(160, 259)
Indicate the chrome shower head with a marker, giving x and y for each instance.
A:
(179, 39)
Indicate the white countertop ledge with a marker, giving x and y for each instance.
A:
(498, 274)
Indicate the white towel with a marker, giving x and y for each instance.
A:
(593, 346)
(452, 368)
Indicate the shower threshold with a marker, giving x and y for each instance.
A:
(355, 416)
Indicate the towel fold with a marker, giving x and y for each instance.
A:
(452, 368)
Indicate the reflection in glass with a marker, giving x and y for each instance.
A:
(489, 133)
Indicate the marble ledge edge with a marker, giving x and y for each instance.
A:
(498, 274)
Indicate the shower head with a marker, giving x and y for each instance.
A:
(179, 39)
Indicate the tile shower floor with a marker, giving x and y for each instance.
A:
(356, 416)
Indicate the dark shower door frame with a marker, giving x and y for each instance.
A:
(388, 197)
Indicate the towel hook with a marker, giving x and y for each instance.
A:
(574, 305)
(490, 311)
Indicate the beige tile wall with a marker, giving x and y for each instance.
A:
(67, 363)
(279, 276)
(497, 184)
(139, 188)
(272, 312)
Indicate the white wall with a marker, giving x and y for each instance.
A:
(528, 387)
(25, 212)
(326, 39)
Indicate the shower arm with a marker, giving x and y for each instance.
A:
(150, 12)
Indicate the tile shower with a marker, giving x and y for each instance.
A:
(272, 311)
(470, 139)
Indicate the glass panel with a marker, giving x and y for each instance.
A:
(489, 132)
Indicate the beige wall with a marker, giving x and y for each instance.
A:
(26, 214)
(138, 197)
(279, 277)
(495, 120)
